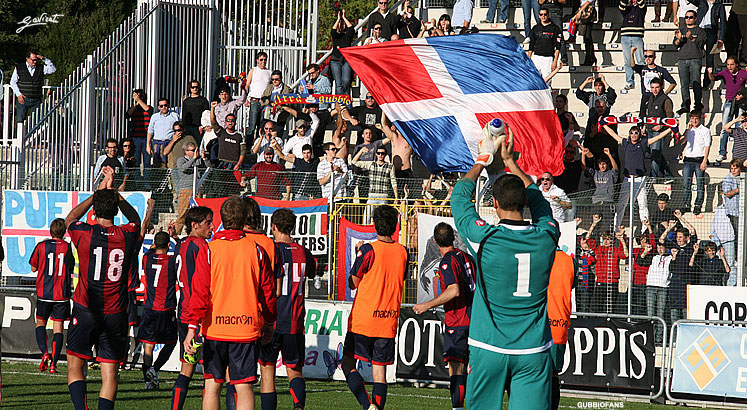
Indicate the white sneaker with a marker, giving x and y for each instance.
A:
(526, 40)
(373, 407)
(318, 282)
(721, 158)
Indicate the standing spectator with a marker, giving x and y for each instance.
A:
(682, 250)
(648, 72)
(544, 43)
(401, 156)
(193, 105)
(332, 167)
(609, 254)
(555, 8)
(443, 28)
(382, 180)
(270, 175)
(319, 84)
(647, 241)
(596, 138)
(342, 36)
(556, 197)
(529, 8)
(183, 178)
(257, 81)
(737, 25)
(657, 284)
(585, 18)
(661, 215)
(209, 144)
(730, 189)
(295, 144)
(128, 153)
(387, 20)
(658, 105)
(679, 11)
(231, 144)
(226, 105)
(657, 12)
(139, 116)
(462, 13)
(602, 92)
(604, 179)
(308, 113)
(712, 19)
(267, 139)
(365, 116)
(305, 185)
(690, 40)
(739, 134)
(569, 179)
(585, 260)
(368, 155)
(178, 139)
(709, 269)
(738, 81)
(27, 81)
(502, 17)
(631, 35)
(408, 26)
(160, 131)
(110, 159)
(698, 139)
(276, 87)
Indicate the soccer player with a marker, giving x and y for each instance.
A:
(509, 335)
(233, 297)
(105, 255)
(294, 264)
(457, 283)
(53, 262)
(158, 324)
(378, 274)
(198, 221)
(559, 314)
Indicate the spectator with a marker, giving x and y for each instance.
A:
(365, 116)
(183, 180)
(585, 18)
(698, 139)
(332, 167)
(319, 84)
(444, 28)
(658, 105)
(730, 189)
(661, 215)
(608, 254)
(265, 140)
(375, 37)
(602, 92)
(555, 8)
(544, 43)
(597, 139)
(128, 154)
(709, 269)
(604, 183)
(711, 18)
(679, 11)
(342, 36)
(160, 131)
(462, 13)
(723, 235)
(110, 159)
(27, 81)
(647, 241)
(401, 156)
(529, 8)
(682, 250)
(502, 17)
(193, 105)
(561, 108)
(657, 284)
(648, 72)
(585, 261)
(209, 144)
(369, 155)
(305, 185)
(657, 12)
(382, 17)
(295, 144)
(408, 26)
(382, 180)
(139, 119)
(556, 197)
(257, 81)
(739, 80)
(737, 30)
(631, 35)
(276, 87)
(270, 175)
(338, 136)
(309, 114)
(231, 144)
(569, 179)
(227, 105)
(179, 139)
(690, 40)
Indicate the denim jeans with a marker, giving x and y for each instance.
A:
(492, 6)
(726, 116)
(528, 6)
(659, 164)
(690, 75)
(342, 74)
(255, 115)
(639, 188)
(140, 153)
(28, 106)
(629, 42)
(656, 301)
(688, 169)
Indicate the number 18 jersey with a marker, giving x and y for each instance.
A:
(105, 257)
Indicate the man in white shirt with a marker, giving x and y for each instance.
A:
(295, 144)
(462, 15)
(697, 148)
(680, 8)
(556, 197)
(27, 83)
(258, 79)
(331, 165)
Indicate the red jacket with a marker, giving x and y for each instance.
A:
(608, 261)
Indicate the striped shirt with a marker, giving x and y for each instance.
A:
(382, 179)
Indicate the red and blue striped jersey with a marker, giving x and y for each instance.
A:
(54, 262)
(160, 281)
(294, 263)
(458, 268)
(186, 257)
(105, 258)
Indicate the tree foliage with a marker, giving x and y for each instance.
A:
(355, 10)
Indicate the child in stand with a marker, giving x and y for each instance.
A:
(708, 268)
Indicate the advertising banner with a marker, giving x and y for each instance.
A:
(420, 346)
(716, 303)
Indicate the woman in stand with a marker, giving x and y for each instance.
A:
(342, 36)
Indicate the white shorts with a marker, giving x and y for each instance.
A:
(543, 64)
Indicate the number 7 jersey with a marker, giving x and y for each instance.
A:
(105, 258)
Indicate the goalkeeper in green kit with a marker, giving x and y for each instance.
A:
(509, 333)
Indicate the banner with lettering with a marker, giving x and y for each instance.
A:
(286, 99)
(27, 215)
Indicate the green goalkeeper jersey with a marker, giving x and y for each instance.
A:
(509, 310)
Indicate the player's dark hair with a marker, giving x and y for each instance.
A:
(284, 219)
(663, 197)
(509, 193)
(253, 214)
(385, 220)
(443, 234)
(57, 228)
(233, 213)
(106, 203)
(196, 214)
(161, 240)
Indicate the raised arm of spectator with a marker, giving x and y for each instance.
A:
(147, 217)
(613, 163)
(696, 247)
(608, 91)
(213, 121)
(584, 96)
(356, 158)
(685, 222)
(624, 244)
(347, 22)
(554, 71)
(584, 152)
(393, 180)
(387, 129)
(595, 219)
(729, 126)
(660, 136)
(279, 152)
(613, 134)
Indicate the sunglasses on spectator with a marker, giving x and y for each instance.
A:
(261, 59)
(126, 145)
(194, 86)
(649, 56)
(162, 105)
(383, 2)
(381, 153)
(276, 79)
(178, 129)
(635, 133)
(371, 98)
(545, 179)
(333, 149)
(542, 14)
(268, 129)
(111, 147)
(189, 150)
(689, 17)
(377, 28)
(230, 120)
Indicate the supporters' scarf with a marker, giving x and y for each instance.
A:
(672, 123)
(285, 99)
(232, 80)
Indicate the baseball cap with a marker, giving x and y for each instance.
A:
(269, 150)
(301, 123)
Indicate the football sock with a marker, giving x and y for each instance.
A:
(164, 355)
(78, 394)
(555, 392)
(230, 397)
(105, 404)
(180, 392)
(269, 400)
(358, 387)
(41, 338)
(56, 348)
(457, 386)
(298, 392)
(379, 394)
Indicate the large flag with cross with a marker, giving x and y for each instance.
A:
(441, 91)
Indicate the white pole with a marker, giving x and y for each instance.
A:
(630, 244)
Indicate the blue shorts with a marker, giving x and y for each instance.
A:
(293, 348)
(132, 317)
(58, 311)
(107, 332)
(239, 358)
(455, 344)
(377, 350)
(157, 327)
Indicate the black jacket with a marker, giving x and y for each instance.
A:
(718, 17)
